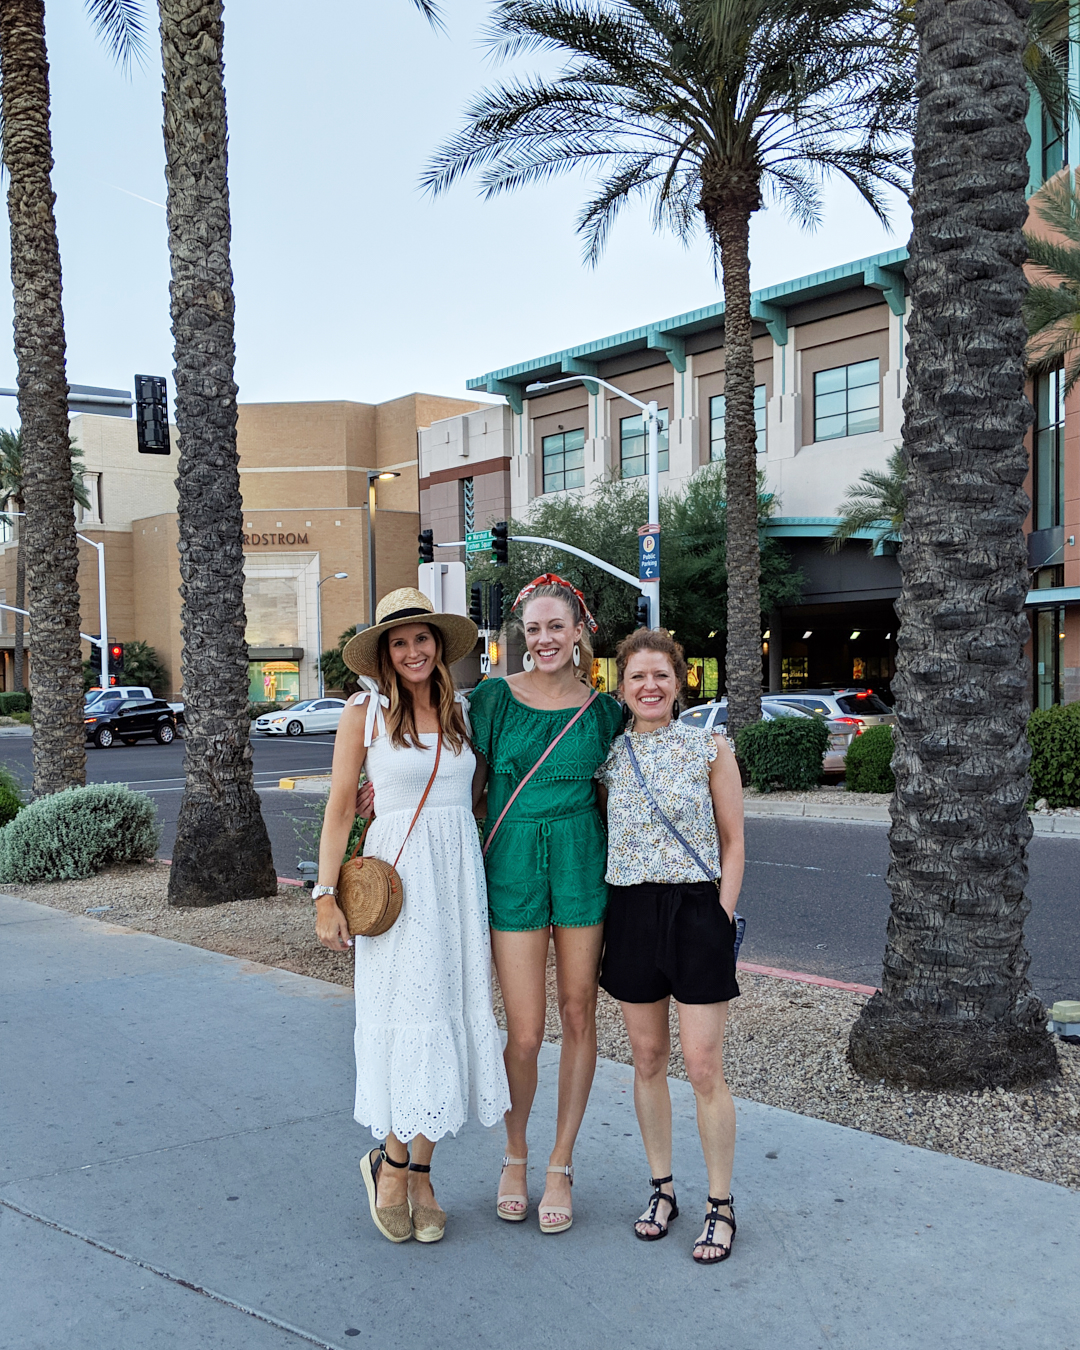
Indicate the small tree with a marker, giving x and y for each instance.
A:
(875, 501)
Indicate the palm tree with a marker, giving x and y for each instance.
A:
(1052, 304)
(955, 1007)
(875, 499)
(52, 559)
(11, 501)
(704, 107)
(222, 849)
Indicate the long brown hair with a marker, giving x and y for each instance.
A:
(401, 715)
(577, 616)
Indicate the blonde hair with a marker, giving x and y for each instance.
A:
(401, 715)
(573, 604)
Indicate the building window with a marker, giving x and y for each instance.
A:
(633, 445)
(1054, 140)
(1048, 462)
(273, 681)
(90, 515)
(847, 400)
(1049, 663)
(716, 422)
(564, 460)
(7, 529)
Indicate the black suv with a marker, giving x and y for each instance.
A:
(109, 720)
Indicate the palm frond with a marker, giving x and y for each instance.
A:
(876, 500)
(121, 25)
(432, 13)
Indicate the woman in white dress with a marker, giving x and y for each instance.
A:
(427, 1045)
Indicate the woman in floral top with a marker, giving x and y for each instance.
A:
(670, 929)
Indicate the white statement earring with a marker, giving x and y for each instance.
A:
(577, 655)
(527, 661)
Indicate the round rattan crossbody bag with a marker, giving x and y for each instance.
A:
(369, 891)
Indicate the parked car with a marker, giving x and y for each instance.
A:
(120, 692)
(313, 714)
(109, 720)
(854, 709)
(713, 717)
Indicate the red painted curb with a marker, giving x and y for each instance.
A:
(802, 978)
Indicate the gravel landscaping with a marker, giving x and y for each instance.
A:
(786, 1041)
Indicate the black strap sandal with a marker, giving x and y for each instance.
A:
(712, 1218)
(653, 1209)
(417, 1167)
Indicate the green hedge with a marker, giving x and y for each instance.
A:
(258, 709)
(1054, 734)
(18, 700)
(786, 753)
(867, 767)
(77, 832)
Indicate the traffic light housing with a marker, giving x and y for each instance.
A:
(152, 414)
(426, 540)
(495, 606)
(641, 611)
(476, 604)
(116, 658)
(500, 542)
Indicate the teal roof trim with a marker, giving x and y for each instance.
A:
(809, 527)
(884, 271)
(1054, 595)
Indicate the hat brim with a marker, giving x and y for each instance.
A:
(459, 635)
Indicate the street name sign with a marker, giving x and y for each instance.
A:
(478, 541)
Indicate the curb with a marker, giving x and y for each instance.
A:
(801, 977)
(1042, 823)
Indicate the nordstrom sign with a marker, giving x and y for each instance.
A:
(257, 539)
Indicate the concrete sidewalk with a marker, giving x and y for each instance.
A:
(191, 1112)
(1048, 822)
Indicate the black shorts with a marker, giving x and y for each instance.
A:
(663, 940)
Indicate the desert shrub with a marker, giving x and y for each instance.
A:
(11, 802)
(15, 701)
(786, 753)
(867, 767)
(77, 832)
(1054, 734)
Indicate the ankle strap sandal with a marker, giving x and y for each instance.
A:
(653, 1209)
(503, 1202)
(708, 1239)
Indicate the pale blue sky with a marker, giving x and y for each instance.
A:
(349, 283)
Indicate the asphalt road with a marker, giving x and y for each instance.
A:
(814, 897)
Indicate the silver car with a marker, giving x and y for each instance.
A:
(713, 717)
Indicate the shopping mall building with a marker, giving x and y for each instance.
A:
(305, 470)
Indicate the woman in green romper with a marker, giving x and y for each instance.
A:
(545, 873)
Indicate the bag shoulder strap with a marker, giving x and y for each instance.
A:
(656, 807)
(554, 743)
(416, 813)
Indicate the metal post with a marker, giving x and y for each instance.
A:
(372, 477)
(652, 588)
(338, 576)
(103, 621)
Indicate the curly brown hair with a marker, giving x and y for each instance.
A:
(651, 640)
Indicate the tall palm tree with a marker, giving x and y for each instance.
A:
(222, 850)
(1052, 304)
(11, 501)
(955, 1007)
(52, 559)
(704, 107)
(877, 501)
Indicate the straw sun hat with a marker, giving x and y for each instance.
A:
(407, 605)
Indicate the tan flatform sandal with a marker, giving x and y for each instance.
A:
(428, 1224)
(393, 1221)
(513, 1215)
(562, 1224)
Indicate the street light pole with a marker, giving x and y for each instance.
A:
(374, 476)
(103, 621)
(338, 576)
(651, 418)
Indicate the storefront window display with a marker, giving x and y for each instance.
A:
(273, 681)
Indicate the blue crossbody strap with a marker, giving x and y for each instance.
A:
(740, 922)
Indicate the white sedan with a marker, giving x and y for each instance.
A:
(314, 714)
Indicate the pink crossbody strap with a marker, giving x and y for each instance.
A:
(554, 743)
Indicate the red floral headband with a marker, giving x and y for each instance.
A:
(550, 579)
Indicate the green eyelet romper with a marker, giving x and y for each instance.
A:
(547, 863)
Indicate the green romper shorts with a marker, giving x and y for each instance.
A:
(548, 860)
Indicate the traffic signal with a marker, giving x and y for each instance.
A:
(495, 606)
(641, 611)
(152, 414)
(426, 539)
(476, 604)
(500, 542)
(116, 658)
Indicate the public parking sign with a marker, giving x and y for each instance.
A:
(478, 541)
(649, 553)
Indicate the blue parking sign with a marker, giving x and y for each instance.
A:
(649, 555)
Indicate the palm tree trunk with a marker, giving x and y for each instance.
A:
(956, 1008)
(18, 678)
(52, 560)
(222, 849)
(728, 211)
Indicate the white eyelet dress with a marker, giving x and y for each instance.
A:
(428, 1048)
